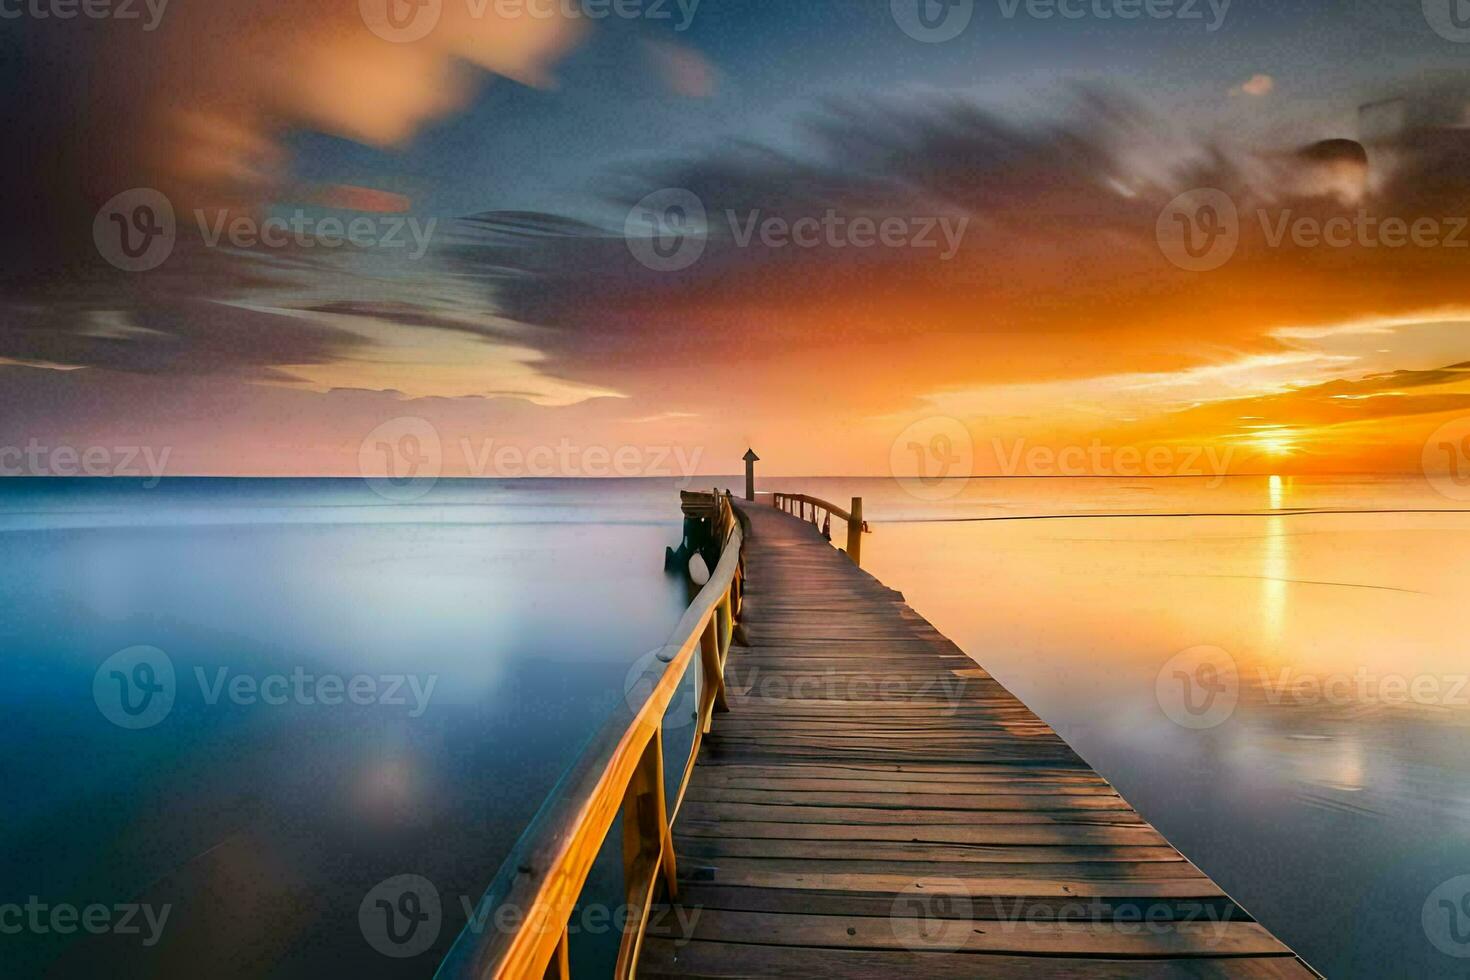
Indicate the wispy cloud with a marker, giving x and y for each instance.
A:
(1257, 85)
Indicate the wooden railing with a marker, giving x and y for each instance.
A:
(809, 508)
(529, 905)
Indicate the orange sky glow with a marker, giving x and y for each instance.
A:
(1060, 335)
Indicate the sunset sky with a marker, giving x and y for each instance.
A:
(523, 148)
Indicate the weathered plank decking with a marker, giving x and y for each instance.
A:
(876, 805)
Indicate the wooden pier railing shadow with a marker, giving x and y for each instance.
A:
(874, 804)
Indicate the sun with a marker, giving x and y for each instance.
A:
(1276, 446)
(1274, 442)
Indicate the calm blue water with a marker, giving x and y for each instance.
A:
(516, 608)
(1343, 823)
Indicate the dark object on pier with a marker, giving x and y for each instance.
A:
(700, 534)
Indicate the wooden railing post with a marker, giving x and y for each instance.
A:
(855, 532)
(711, 665)
(560, 967)
(648, 849)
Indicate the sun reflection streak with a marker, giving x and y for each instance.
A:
(1275, 568)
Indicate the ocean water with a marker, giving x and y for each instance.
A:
(263, 815)
(1270, 669)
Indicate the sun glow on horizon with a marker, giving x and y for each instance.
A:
(1275, 444)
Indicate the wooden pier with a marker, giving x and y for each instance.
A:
(874, 804)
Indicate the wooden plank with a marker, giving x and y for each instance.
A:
(995, 834)
(979, 907)
(1019, 785)
(788, 813)
(1061, 800)
(1161, 940)
(1062, 870)
(878, 774)
(725, 961)
(960, 882)
(705, 848)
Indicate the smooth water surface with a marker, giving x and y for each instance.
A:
(489, 626)
(1271, 669)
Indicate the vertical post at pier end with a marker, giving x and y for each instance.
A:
(855, 532)
(750, 460)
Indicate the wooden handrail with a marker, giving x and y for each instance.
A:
(804, 498)
(621, 772)
(796, 504)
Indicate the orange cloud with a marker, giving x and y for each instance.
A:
(227, 78)
(349, 197)
(684, 70)
(1256, 85)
